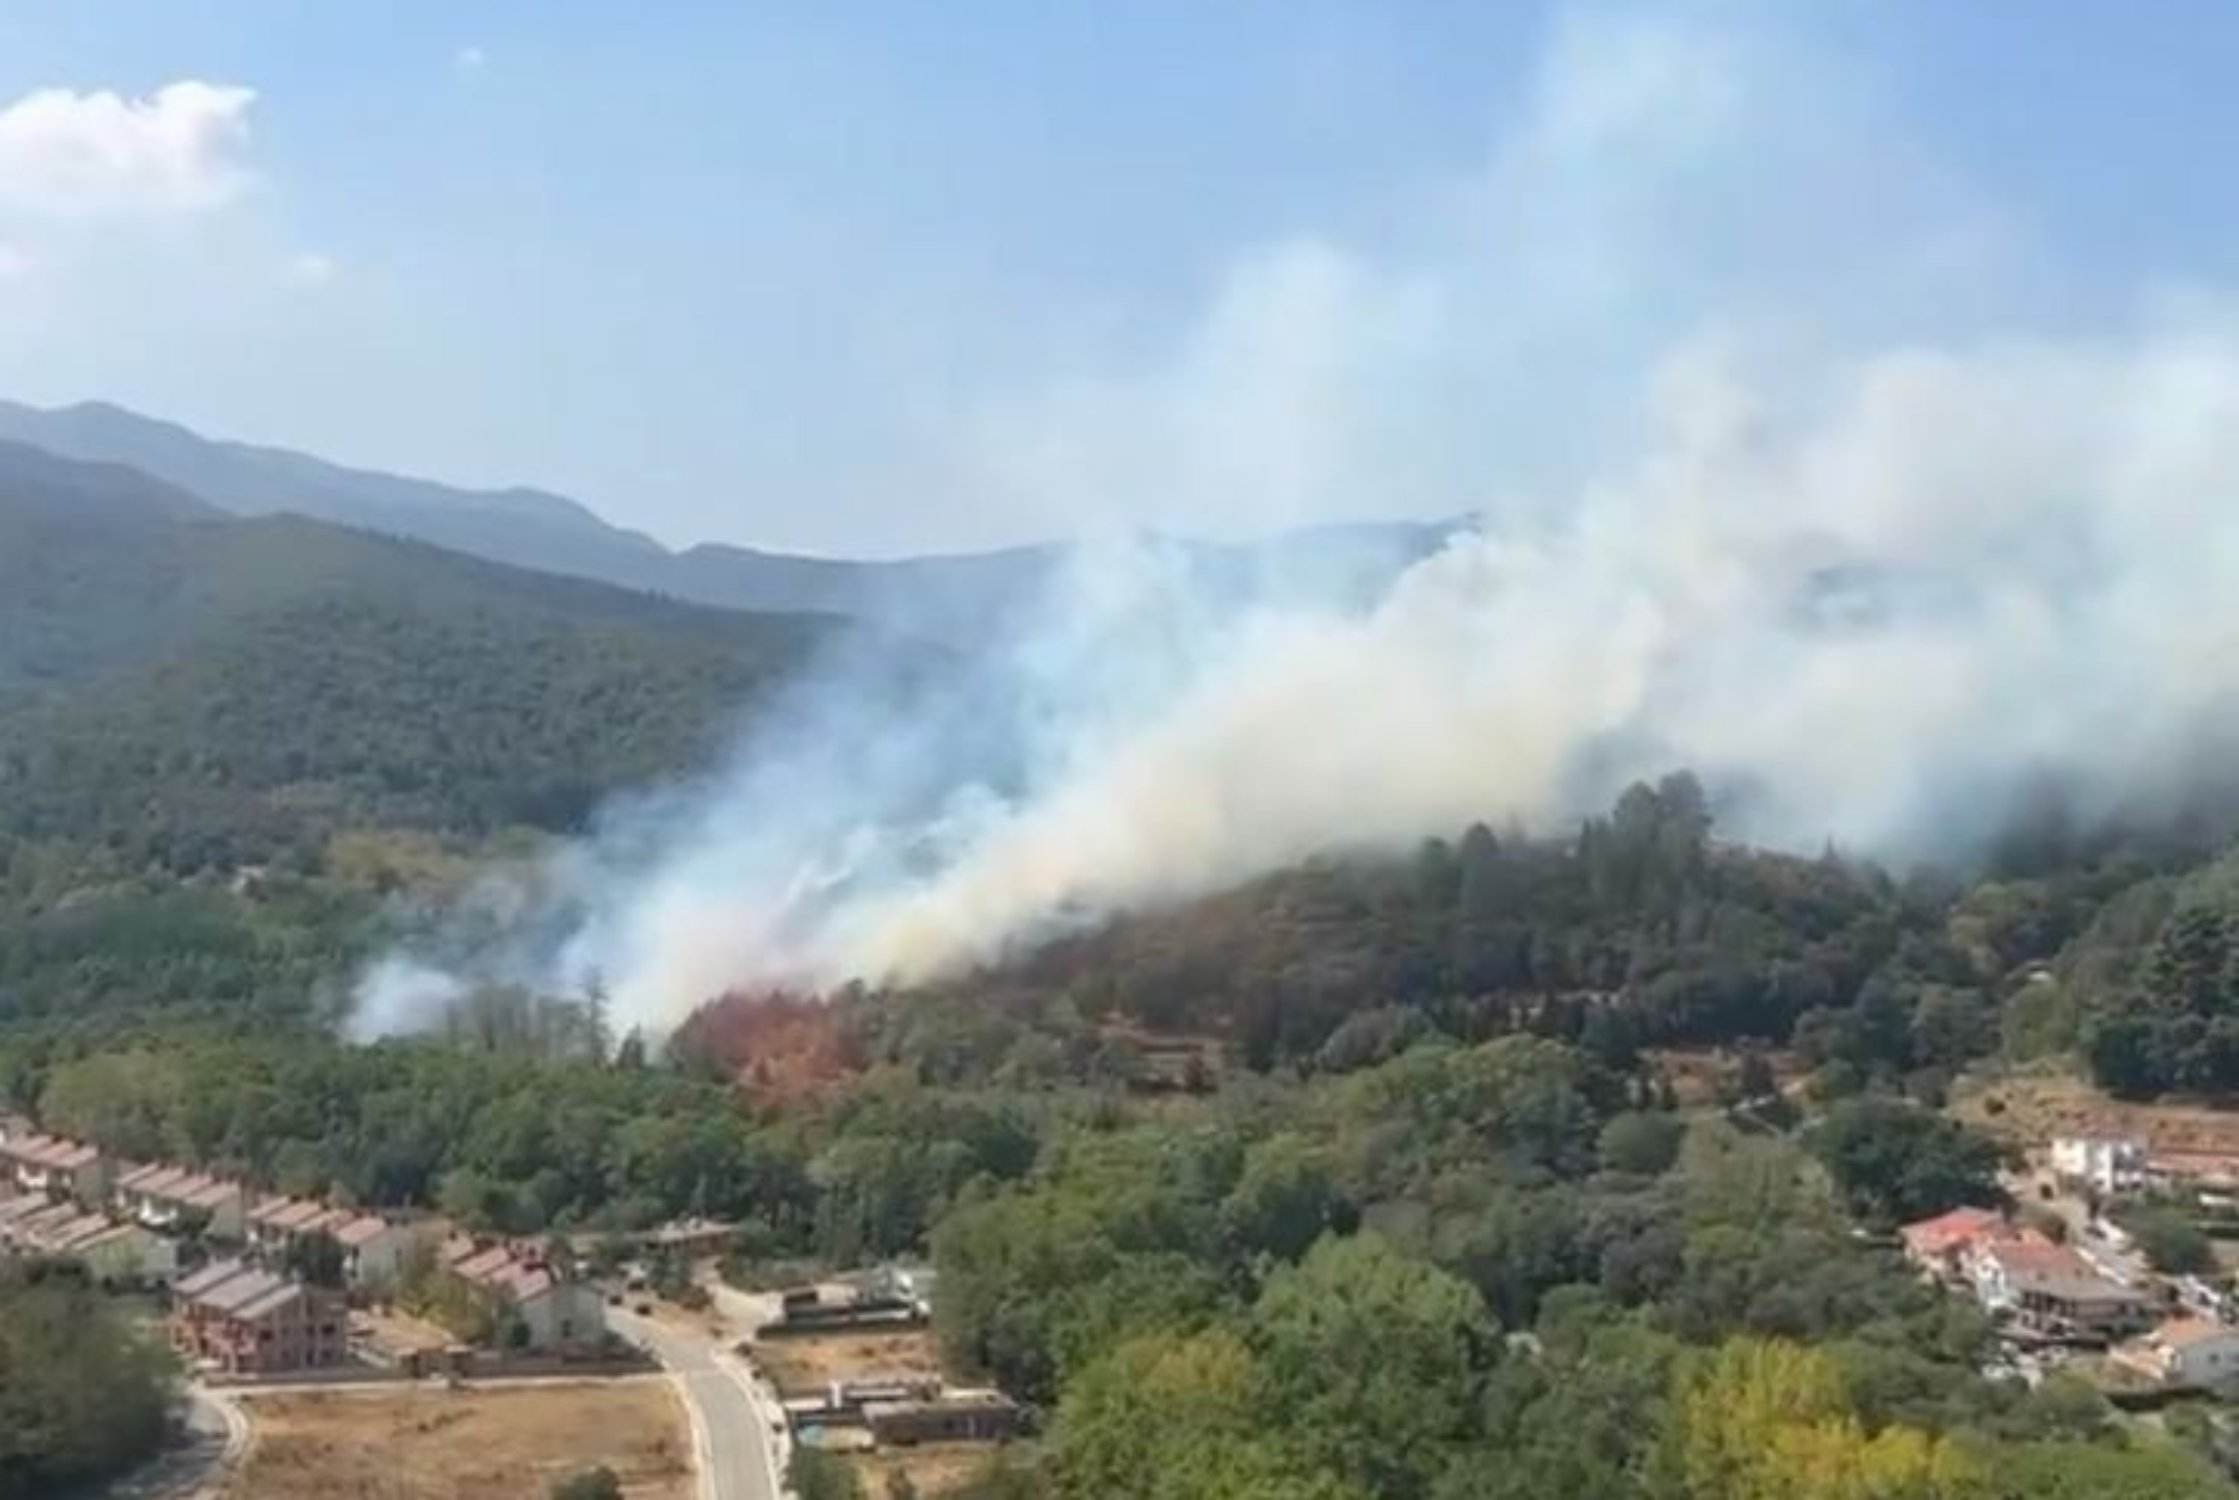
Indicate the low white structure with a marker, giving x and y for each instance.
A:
(2107, 1165)
(2185, 1354)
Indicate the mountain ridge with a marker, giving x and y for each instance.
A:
(952, 595)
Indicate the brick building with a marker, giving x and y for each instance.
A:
(246, 1321)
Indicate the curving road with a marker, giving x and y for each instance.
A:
(731, 1418)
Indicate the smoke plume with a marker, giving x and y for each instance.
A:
(1815, 503)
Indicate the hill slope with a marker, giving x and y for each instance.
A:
(165, 672)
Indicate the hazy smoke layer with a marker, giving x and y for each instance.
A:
(1868, 596)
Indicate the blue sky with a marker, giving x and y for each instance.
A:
(877, 278)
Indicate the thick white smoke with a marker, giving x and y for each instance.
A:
(1867, 595)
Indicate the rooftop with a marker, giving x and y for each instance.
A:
(361, 1229)
(1948, 1231)
(2180, 1333)
(52, 1151)
(212, 1275)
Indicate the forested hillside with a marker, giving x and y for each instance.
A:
(1420, 1216)
(1645, 930)
(185, 698)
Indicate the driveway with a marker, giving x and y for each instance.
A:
(730, 1417)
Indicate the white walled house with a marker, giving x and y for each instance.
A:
(2107, 1165)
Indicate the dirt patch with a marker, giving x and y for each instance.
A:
(431, 1444)
(2030, 1109)
(394, 1333)
(805, 1366)
(1697, 1074)
(933, 1469)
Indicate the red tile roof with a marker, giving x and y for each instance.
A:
(1951, 1231)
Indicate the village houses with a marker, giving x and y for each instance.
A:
(168, 1198)
(2106, 1166)
(2043, 1289)
(119, 1254)
(538, 1308)
(53, 1166)
(248, 1321)
(371, 1248)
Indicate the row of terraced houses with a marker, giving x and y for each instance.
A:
(131, 1224)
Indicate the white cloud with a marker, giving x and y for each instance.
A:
(70, 155)
(312, 269)
(469, 59)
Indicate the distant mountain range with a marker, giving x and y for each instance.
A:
(947, 596)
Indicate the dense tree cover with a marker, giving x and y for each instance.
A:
(2175, 1020)
(1640, 930)
(223, 742)
(522, 1141)
(1897, 1162)
(81, 1394)
(1444, 1237)
(2169, 1240)
(1492, 1312)
(264, 683)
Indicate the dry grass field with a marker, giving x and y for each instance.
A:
(2028, 1107)
(934, 1470)
(427, 1444)
(803, 1366)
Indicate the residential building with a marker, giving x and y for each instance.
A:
(129, 1255)
(32, 1222)
(373, 1249)
(119, 1254)
(1939, 1245)
(2106, 1165)
(54, 1166)
(277, 1225)
(167, 1198)
(247, 1321)
(2185, 1353)
(2051, 1291)
(538, 1309)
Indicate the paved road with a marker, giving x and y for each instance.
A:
(730, 1419)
